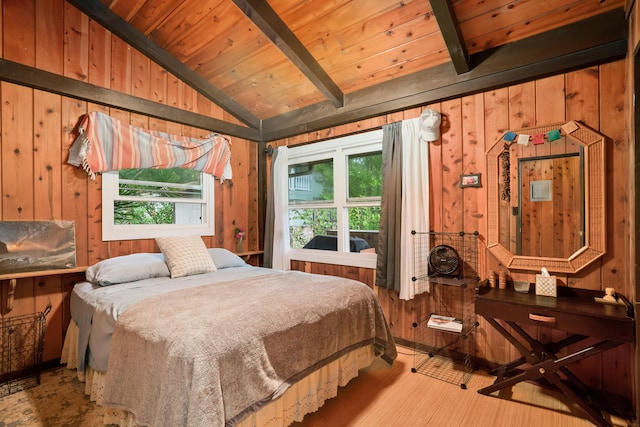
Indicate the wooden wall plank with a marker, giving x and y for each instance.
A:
(99, 55)
(99, 74)
(140, 75)
(74, 180)
(47, 156)
(76, 43)
(451, 198)
(436, 166)
(522, 103)
(48, 291)
(49, 35)
(582, 95)
(157, 83)
(550, 100)
(24, 302)
(615, 270)
(17, 152)
(475, 202)
(496, 123)
(239, 191)
(2, 31)
(120, 66)
(19, 22)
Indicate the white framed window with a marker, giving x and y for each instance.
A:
(334, 200)
(149, 203)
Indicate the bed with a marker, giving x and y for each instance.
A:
(224, 344)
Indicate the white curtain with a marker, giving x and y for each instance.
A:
(280, 186)
(415, 201)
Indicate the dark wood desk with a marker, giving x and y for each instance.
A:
(574, 311)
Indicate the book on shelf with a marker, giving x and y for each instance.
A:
(445, 323)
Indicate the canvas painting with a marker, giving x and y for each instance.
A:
(36, 246)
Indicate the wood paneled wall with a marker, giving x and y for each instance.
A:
(471, 125)
(37, 129)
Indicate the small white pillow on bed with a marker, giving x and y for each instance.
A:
(185, 255)
(127, 268)
(224, 258)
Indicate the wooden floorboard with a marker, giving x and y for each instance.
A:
(395, 396)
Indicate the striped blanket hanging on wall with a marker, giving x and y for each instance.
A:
(106, 144)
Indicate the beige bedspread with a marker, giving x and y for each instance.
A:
(208, 356)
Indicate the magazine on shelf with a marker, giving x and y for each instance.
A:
(445, 323)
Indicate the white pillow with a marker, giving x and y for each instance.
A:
(224, 258)
(127, 268)
(185, 255)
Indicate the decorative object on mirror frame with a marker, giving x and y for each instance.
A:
(552, 135)
(546, 285)
(523, 139)
(505, 186)
(430, 125)
(470, 180)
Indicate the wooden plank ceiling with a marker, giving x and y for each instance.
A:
(284, 67)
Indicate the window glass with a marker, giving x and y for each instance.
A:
(309, 182)
(156, 183)
(314, 228)
(364, 223)
(365, 175)
(146, 196)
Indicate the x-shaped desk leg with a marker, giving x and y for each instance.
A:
(545, 364)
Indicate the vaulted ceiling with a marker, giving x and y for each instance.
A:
(284, 67)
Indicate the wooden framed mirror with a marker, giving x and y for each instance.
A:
(546, 201)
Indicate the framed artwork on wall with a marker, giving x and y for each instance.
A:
(470, 180)
(36, 246)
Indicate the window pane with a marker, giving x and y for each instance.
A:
(173, 183)
(173, 175)
(364, 224)
(365, 175)
(311, 181)
(128, 212)
(305, 224)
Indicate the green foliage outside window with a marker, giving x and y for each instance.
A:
(306, 223)
(365, 175)
(155, 183)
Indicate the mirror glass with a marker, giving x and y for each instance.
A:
(542, 214)
(546, 197)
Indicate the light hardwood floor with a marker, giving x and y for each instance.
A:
(385, 396)
(381, 396)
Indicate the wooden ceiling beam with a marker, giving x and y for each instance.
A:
(268, 21)
(445, 16)
(599, 39)
(35, 78)
(100, 13)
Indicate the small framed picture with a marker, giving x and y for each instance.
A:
(470, 180)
